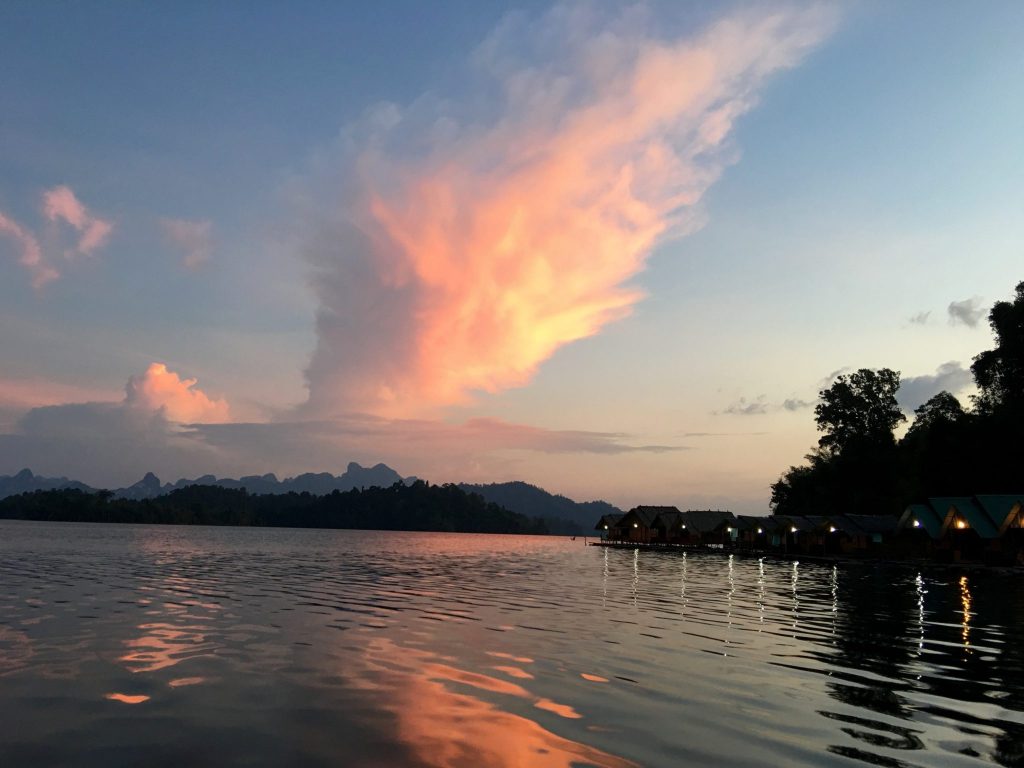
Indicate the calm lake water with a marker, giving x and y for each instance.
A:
(151, 645)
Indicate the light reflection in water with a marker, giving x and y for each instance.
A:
(760, 594)
(442, 718)
(731, 579)
(921, 592)
(125, 698)
(965, 602)
(796, 596)
(636, 574)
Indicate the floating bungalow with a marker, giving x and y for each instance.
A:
(984, 528)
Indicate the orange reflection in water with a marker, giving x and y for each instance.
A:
(593, 678)
(516, 672)
(181, 682)
(510, 657)
(448, 728)
(164, 645)
(562, 710)
(125, 698)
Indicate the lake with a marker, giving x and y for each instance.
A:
(154, 645)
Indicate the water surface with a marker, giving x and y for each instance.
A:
(154, 645)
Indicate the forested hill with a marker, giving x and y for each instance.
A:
(532, 501)
(400, 507)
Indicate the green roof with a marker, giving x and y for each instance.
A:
(973, 514)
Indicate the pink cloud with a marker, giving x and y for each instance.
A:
(61, 204)
(36, 391)
(191, 237)
(30, 255)
(179, 399)
(478, 238)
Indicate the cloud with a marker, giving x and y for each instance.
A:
(968, 312)
(760, 406)
(179, 399)
(744, 407)
(795, 404)
(921, 318)
(113, 443)
(830, 378)
(192, 238)
(457, 244)
(30, 255)
(61, 204)
(951, 377)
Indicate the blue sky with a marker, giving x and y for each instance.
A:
(876, 178)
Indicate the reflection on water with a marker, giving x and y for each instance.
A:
(280, 647)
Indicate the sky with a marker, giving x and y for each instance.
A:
(613, 250)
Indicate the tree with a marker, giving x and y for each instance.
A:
(941, 410)
(999, 372)
(859, 410)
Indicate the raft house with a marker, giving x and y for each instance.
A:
(984, 528)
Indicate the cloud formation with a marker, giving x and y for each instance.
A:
(460, 243)
(921, 318)
(192, 238)
(760, 406)
(179, 399)
(915, 391)
(61, 204)
(967, 312)
(30, 255)
(744, 407)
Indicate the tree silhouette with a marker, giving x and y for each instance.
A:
(859, 410)
(999, 372)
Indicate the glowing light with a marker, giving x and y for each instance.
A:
(760, 530)
(728, 529)
(792, 529)
(606, 527)
(831, 529)
(917, 523)
(683, 526)
(961, 524)
(636, 525)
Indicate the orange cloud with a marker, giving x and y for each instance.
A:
(475, 246)
(179, 399)
(30, 256)
(60, 204)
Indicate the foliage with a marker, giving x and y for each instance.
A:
(416, 507)
(860, 467)
(999, 372)
(859, 410)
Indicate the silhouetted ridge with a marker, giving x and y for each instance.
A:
(532, 501)
(416, 507)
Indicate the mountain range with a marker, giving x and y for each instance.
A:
(565, 515)
(315, 483)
